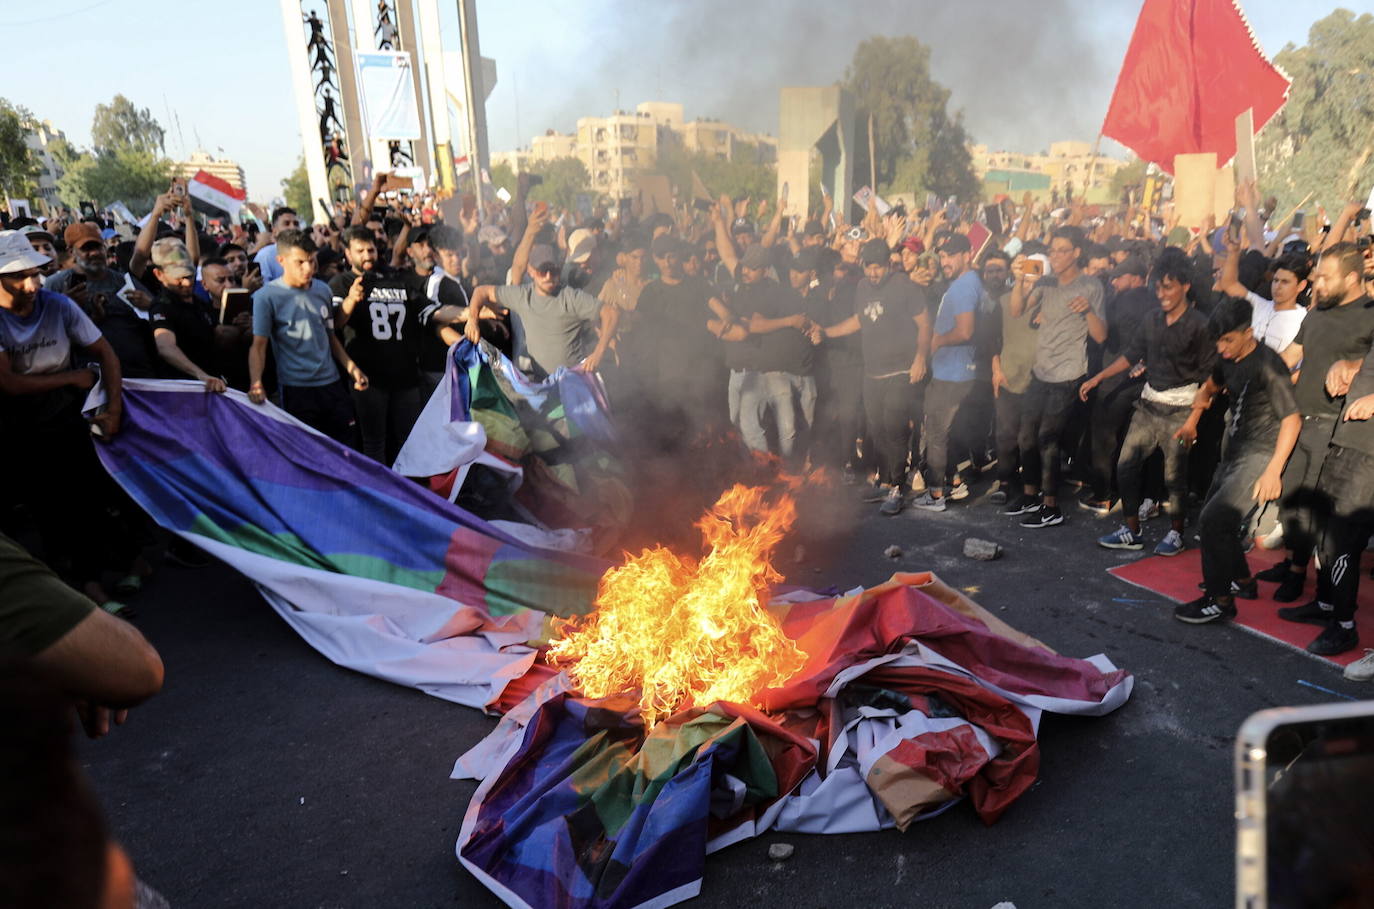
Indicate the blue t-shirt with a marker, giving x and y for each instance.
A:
(41, 343)
(955, 364)
(298, 321)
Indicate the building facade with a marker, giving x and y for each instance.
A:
(617, 148)
(1068, 166)
(40, 138)
(227, 170)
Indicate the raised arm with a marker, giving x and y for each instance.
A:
(362, 211)
(1228, 282)
(729, 256)
(143, 245)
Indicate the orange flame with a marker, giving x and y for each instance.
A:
(683, 633)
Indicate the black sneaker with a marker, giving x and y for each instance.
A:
(1275, 573)
(1334, 639)
(1204, 610)
(1022, 504)
(1290, 588)
(1240, 591)
(1310, 612)
(1044, 516)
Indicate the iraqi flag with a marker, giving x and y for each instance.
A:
(1192, 67)
(211, 195)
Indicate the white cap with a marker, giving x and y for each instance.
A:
(18, 254)
(580, 245)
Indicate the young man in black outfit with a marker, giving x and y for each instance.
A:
(1344, 493)
(1174, 343)
(894, 326)
(1263, 430)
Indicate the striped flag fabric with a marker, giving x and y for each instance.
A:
(912, 699)
(373, 570)
(218, 195)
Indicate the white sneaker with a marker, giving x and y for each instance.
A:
(1273, 539)
(958, 493)
(1149, 508)
(1362, 670)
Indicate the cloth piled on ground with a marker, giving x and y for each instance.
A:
(912, 697)
(548, 444)
(374, 571)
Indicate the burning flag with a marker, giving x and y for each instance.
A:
(685, 633)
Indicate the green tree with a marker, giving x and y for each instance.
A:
(120, 125)
(1130, 177)
(295, 189)
(18, 165)
(918, 146)
(744, 175)
(1312, 143)
(564, 178)
(502, 177)
(132, 177)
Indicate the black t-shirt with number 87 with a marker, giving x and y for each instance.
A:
(382, 336)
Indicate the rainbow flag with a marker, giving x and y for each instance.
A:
(374, 570)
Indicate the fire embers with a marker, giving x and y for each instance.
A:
(682, 632)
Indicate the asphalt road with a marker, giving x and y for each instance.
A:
(263, 775)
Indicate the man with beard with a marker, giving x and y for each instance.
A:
(378, 311)
(90, 282)
(1342, 320)
(551, 323)
(952, 366)
(891, 317)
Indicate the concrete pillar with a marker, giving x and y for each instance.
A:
(359, 154)
(303, 87)
(815, 119)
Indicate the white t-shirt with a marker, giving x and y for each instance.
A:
(1273, 327)
(42, 342)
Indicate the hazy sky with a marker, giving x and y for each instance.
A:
(1024, 73)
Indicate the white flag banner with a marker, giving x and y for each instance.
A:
(387, 89)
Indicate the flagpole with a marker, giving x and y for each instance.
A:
(1092, 168)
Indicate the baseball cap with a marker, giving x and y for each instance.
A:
(541, 256)
(914, 244)
(874, 252)
(1131, 265)
(79, 234)
(955, 244)
(743, 226)
(581, 243)
(33, 230)
(492, 235)
(17, 254)
(170, 255)
(755, 257)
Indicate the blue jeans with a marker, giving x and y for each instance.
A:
(754, 394)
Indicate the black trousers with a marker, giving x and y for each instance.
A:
(890, 405)
(1046, 409)
(945, 403)
(1301, 503)
(1227, 516)
(1152, 429)
(327, 408)
(839, 412)
(1346, 488)
(1111, 415)
(1008, 408)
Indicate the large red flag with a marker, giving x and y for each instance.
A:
(1193, 67)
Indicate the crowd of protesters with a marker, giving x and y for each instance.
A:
(1096, 352)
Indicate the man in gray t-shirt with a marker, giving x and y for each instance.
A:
(552, 324)
(1061, 349)
(1067, 308)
